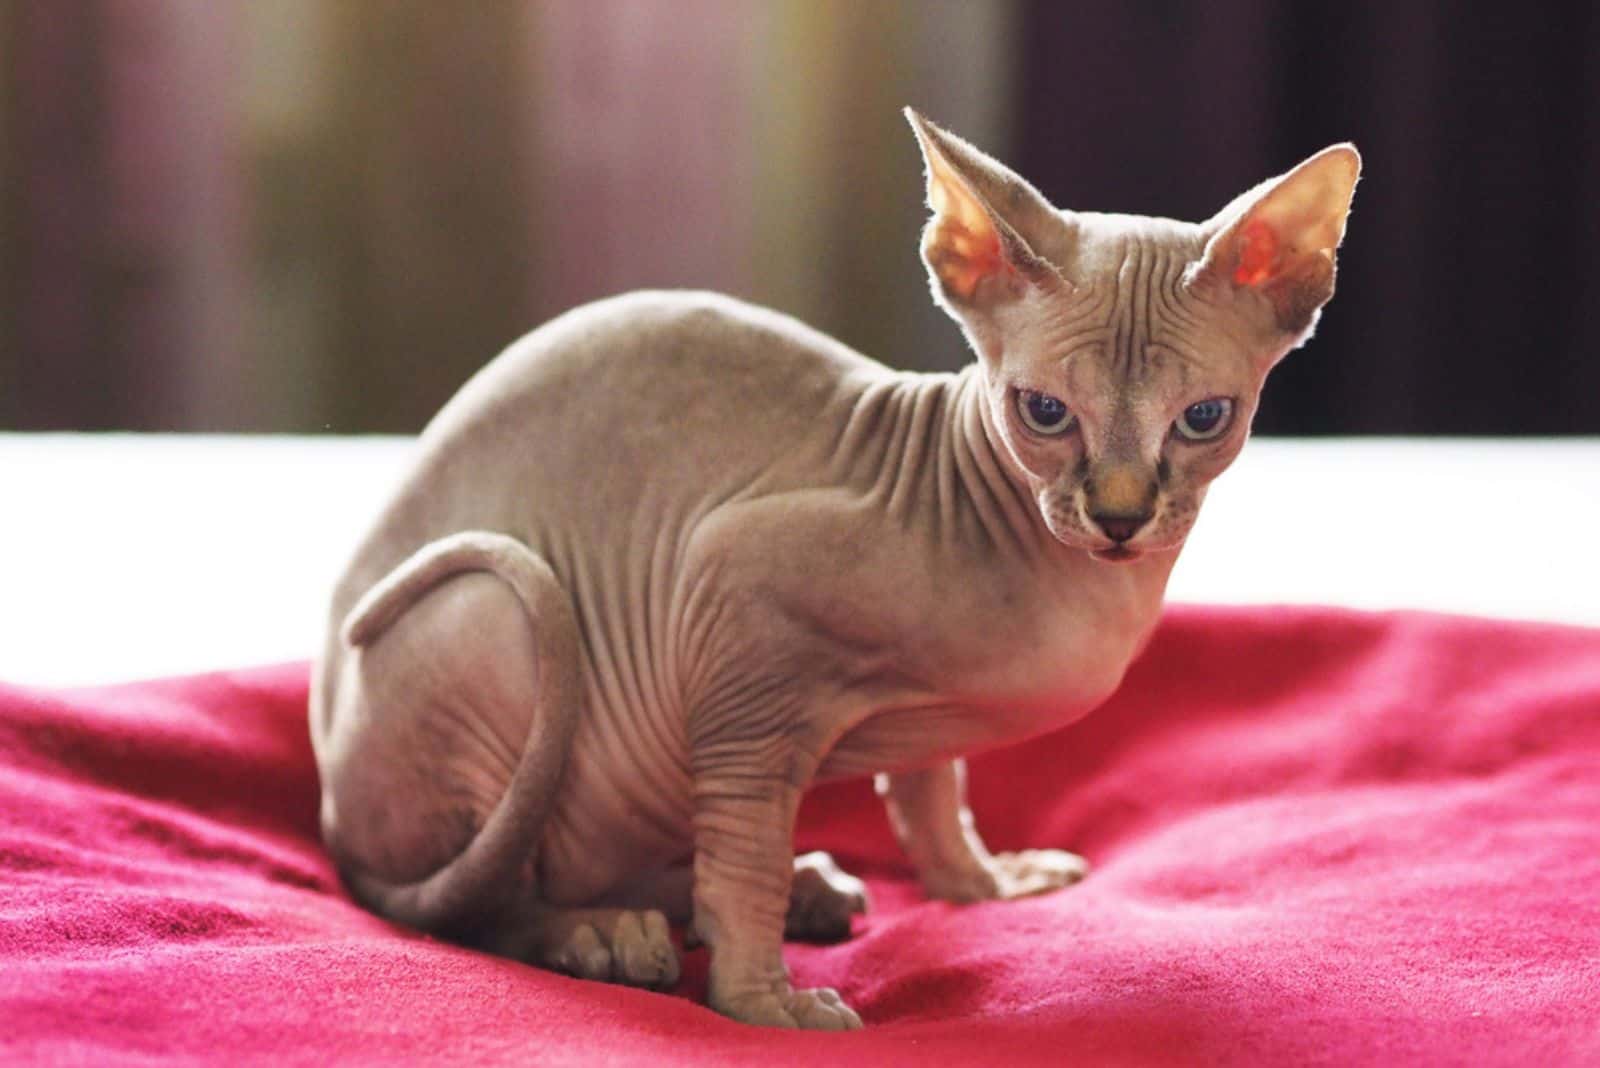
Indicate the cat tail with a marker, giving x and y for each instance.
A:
(470, 892)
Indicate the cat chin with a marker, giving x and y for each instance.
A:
(1105, 554)
(1130, 554)
(1117, 554)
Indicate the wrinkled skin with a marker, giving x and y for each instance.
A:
(671, 559)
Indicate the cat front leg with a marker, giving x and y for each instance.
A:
(928, 810)
(746, 797)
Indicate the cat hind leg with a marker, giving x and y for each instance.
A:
(822, 898)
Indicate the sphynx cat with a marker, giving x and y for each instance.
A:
(671, 559)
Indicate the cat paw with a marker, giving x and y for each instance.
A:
(822, 899)
(820, 1009)
(1007, 875)
(624, 946)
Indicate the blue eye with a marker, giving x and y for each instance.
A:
(1205, 420)
(1042, 413)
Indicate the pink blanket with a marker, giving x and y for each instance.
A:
(1317, 837)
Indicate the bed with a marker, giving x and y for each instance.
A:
(1346, 809)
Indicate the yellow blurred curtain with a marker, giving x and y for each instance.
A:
(311, 216)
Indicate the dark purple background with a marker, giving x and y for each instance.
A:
(1470, 280)
(176, 255)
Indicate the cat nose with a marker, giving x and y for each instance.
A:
(1120, 528)
(1120, 497)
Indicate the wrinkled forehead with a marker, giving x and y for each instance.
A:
(1130, 322)
(1103, 244)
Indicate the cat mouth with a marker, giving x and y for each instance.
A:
(1117, 554)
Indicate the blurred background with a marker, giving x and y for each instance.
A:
(323, 215)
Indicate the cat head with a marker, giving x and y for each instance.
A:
(1122, 356)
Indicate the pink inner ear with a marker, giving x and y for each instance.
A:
(971, 258)
(985, 258)
(1258, 254)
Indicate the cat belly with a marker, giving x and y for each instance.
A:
(901, 739)
(1019, 692)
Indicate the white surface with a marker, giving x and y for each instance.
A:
(125, 556)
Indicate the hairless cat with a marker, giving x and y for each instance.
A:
(670, 559)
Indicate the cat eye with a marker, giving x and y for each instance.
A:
(1205, 420)
(1042, 413)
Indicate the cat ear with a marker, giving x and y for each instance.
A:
(1279, 238)
(974, 243)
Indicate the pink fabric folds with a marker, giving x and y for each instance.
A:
(1317, 837)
